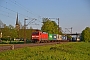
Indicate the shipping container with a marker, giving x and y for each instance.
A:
(54, 36)
(73, 39)
(50, 37)
(64, 37)
(59, 37)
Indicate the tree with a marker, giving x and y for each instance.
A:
(69, 37)
(50, 26)
(11, 27)
(85, 35)
(9, 31)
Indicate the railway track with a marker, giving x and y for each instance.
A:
(16, 46)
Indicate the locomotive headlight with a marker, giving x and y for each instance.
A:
(33, 36)
(37, 36)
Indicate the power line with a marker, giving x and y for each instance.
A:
(27, 10)
(5, 12)
(6, 15)
(16, 3)
(18, 12)
(21, 7)
(12, 10)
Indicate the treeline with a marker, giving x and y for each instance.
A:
(85, 35)
(49, 26)
(9, 32)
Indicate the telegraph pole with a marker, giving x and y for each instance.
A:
(25, 30)
(71, 30)
(58, 25)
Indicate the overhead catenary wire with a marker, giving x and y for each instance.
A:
(24, 8)
(19, 6)
(13, 11)
(28, 10)
(10, 13)
(7, 16)
(5, 12)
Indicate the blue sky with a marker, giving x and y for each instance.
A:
(72, 13)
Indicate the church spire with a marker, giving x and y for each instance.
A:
(17, 23)
(17, 20)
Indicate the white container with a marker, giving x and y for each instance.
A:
(59, 37)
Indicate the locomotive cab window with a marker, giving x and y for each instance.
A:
(35, 33)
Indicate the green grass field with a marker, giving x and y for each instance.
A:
(68, 51)
(12, 42)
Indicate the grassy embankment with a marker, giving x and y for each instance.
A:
(68, 51)
(14, 42)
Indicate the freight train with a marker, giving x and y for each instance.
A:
(42, 37)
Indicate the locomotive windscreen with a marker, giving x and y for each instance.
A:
(35, 33)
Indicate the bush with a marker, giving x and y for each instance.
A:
(5, 39)
(85, 35)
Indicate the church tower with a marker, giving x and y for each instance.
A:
(17, 26)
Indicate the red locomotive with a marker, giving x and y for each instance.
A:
(38, 36)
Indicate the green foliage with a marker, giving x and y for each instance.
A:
(69, 37)
(8, 32)
(50, 26)
(5, 38)
(85, 35)
(28, 33)
(68, 51)
(11, 27)
(12, 42)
